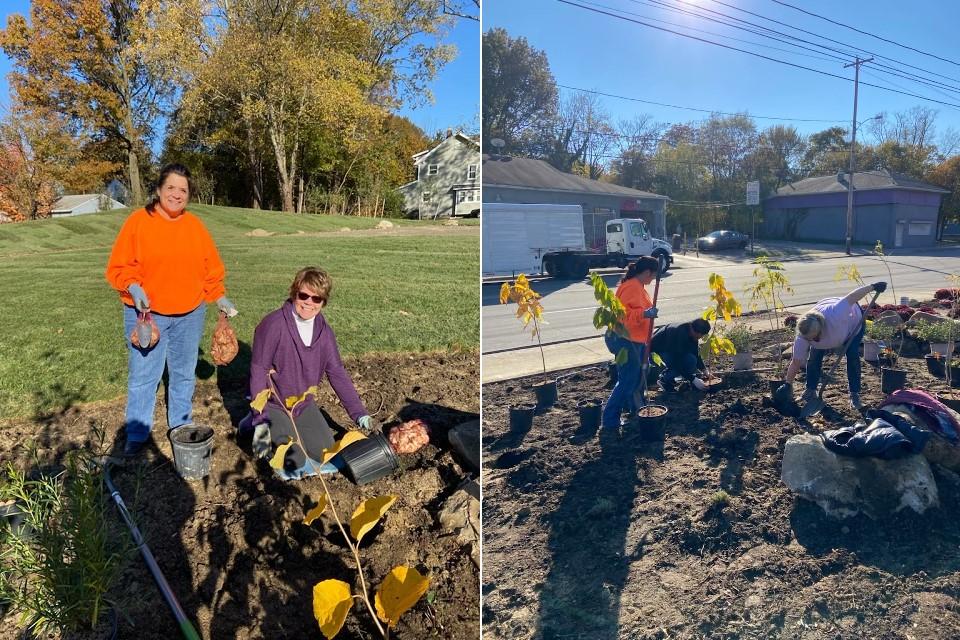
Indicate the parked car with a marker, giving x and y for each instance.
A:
(723, 239)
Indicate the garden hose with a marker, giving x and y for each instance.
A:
(186, 627)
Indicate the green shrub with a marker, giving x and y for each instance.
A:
(59, 567)
(741, 336)
(880, 330)
(945, 331)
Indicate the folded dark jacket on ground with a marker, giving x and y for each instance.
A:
(888, 436)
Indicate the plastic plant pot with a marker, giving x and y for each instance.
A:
(546, 394)
(521, 418)
(743, 361)
(952, 402)
(651, 421)
(892, 379)
(369, 459)
(192, 447)
(590, 413)
(936, 365)
(871, 349)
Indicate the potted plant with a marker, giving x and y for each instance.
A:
(742, 338)
(877, 336)
(529, 310)
(940, 335)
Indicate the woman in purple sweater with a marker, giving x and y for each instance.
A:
(296, 342)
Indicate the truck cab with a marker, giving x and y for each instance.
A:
(630, 238)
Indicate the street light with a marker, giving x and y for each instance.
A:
(853, 145)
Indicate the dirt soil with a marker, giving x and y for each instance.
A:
(233, 546)
(604, 538)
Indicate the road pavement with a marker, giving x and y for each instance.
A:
(569, 306)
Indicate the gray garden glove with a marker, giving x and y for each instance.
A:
(261, 443)
(140, 300)
(224, 304)
(879, 287)
(650, 313)
(368, 424)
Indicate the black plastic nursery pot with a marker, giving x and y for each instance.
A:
(369, 459)
(892, 379)
(936, 365)
(590, 413)
(192, 448)
(953, 403)
(546, 394)
(651, 423)
(521, 418)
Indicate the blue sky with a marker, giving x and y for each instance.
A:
(602, 53)
(456, 88)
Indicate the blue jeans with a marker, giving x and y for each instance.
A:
(628, 378)
(815, 364)
(683, 365)
(176, 350)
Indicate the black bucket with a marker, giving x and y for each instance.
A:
(936, 366)
(652, 428)
(192, 447)
(521, 418)
(892, 379)
(546, 394)
(369, 459)
(590, 412)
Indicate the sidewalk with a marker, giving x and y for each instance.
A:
(518, 363)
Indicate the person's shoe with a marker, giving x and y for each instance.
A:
(699, 384)
(855, 401)
(666, 384)
(133, 448)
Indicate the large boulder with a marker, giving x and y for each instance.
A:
(845, 486)
(923, 316)
(460, 516)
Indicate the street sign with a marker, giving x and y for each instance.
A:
(753, 192)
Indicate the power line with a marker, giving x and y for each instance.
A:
(675, 106)
(664, 5)
(758, 55)
(866, 33)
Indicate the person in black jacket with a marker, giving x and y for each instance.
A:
(677, 344)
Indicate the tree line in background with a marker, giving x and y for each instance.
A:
(285, 104)
(693, 163)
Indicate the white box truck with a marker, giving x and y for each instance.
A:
(549, 238)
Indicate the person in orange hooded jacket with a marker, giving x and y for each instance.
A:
(633, 335)
(164, 262)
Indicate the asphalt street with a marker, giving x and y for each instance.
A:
(569, 306)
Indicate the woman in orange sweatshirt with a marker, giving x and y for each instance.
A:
(164, 261)
(633, 335)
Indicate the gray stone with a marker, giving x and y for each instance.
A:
(465, 440)
(461, 516)
(891, 318)
(845, 486)
(923, 316)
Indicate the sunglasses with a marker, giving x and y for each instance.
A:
(304, 296)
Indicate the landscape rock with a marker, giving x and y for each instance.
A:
(384, 224)
(891, 318)
(465, 440)
(461, 516)
(923, 316)
(843, 486)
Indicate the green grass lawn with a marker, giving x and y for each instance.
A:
(63, 341)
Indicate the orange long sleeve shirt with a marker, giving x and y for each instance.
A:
(175, 261)
(636, 300)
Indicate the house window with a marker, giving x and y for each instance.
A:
(920, 228)
(426, 196)
(432, 169)
(461, 196)
(472, 172)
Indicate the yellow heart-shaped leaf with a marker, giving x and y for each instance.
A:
(277, 460)
(399, 591)
(348, 438)
(368, 514)
(260, 401)
(332, 601)
(314, 513)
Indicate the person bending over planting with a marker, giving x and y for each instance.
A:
(678, 345)
(165, 266)
(297, 344)
(632, 336)
(829, 325)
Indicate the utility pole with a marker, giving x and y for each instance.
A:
(853, 143)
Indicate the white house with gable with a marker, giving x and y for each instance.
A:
(448, 180)
(83, 203)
